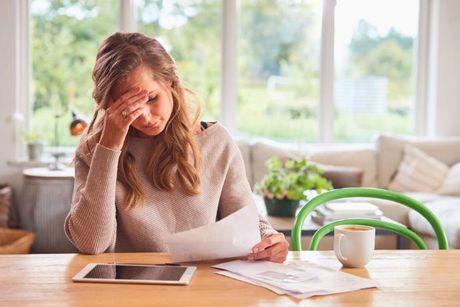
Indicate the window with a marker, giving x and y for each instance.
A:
(278, 66)
(374, 63)
(190, 31)
(279, 70)
(65, 36)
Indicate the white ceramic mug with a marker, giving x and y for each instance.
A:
(354, 244)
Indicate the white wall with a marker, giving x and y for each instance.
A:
(7, 82)
(10, 91)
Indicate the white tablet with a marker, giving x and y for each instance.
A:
(135, 273)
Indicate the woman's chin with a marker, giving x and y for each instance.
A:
(150, 131)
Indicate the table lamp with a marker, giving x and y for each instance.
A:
(77, 126)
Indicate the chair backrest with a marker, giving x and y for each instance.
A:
(370, 193)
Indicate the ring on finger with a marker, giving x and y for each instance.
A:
(124, 114)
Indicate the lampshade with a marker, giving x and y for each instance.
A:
(78, 124)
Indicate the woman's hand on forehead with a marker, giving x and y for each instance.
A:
(126, 94)
(120, 115)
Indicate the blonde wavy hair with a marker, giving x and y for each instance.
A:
(117, 57)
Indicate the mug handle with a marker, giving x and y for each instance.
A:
(338, 251)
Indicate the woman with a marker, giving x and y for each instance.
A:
(147, 168)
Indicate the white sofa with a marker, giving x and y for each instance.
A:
(379, 162)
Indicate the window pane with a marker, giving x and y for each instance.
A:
(374, 58)
(64, 41)
(190, 31)
(278, 66)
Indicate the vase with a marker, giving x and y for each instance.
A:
(281, 207)
(35, 150)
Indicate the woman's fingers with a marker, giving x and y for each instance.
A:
(280, 248)
(122, 103)
(274, 247)
(280, 258)
(268, 252)
(116, 126)
(268, 241)
(141, 96)
(133, 115)
(281, 255)
(121, 119)
(120, 115)
(131, 92)
(129, 108)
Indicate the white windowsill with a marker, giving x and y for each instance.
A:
(46, 159)
(70, 151)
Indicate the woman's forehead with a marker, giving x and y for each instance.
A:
(142, 77)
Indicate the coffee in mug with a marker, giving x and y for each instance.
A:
(354, 244)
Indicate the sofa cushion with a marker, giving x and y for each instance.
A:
(362, 158)
(262, 150)
(390, 152)
(342, 176)
(451, 184)
(447, 209)
(348, 161)
(418, 172)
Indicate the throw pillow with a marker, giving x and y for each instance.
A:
(262, 151)
(359, 157)
(418, 172)
(451, 184)
(343, 176)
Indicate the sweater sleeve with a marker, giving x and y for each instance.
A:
(236, 192)
(91, 223)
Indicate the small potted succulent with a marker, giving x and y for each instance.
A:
(286, 185)
(35, 145)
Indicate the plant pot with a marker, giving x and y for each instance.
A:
(35, 151)
(281, 207)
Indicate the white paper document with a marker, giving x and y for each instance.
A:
(232, 236)
(300, 279)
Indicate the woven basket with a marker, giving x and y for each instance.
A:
(6, 193)
(15, 241)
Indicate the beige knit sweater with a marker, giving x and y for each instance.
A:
(97, 221)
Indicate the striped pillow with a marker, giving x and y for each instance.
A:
(451, 184)
(418, 172)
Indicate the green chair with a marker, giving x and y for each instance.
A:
(370, 193)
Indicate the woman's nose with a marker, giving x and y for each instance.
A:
(146, 114)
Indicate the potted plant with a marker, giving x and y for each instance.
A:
(286, 184)
(35, 145)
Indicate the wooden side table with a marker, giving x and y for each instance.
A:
(45, 202)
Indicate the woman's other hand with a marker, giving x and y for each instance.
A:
(273, 248)
(120, 115)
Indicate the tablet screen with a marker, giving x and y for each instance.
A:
(118, 271)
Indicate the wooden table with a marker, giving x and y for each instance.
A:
(406, 278)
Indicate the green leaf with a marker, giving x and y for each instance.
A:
(292, 179)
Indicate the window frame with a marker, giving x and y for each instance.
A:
(229, 74)
(325, 122)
